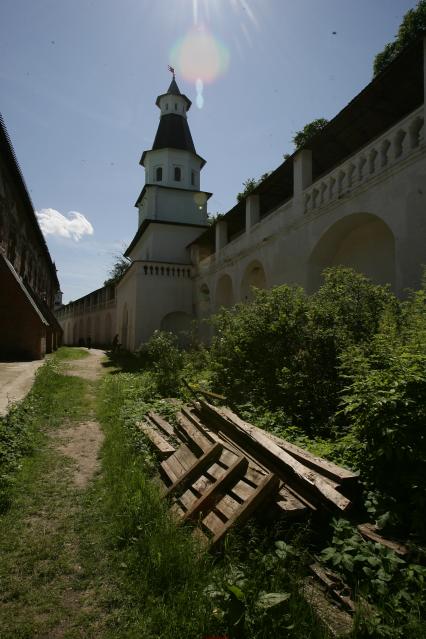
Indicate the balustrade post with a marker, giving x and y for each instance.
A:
(302, 172)
(252, 211)
(221, 237)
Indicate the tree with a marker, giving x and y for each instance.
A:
(117, 270)
(248, 187)
(413, 24)
(301, 138)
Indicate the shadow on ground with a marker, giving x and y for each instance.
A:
(122, 361)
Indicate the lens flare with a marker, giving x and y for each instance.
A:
(200, 56)
(199, 88)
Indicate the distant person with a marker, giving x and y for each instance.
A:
(89, 342)
(115, 345)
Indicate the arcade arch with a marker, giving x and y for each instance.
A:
(362, 241)
(224, 292)
(179, 324)
(254, 276)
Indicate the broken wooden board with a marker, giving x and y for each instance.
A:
(334, 585)
(370, 532)
(161, 423)
(162, 447)
(339, 623)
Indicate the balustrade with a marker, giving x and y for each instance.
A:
(390, 148)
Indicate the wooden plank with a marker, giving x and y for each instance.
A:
(202, 484)
(172, 468)
(196, 469)
(227, 506)
(327, 468)
(242, 490)
(209, 498)
(162, 423)
(289, 504)
(278, 459)
(334, 585)
(164, 449)
(200, 441)
(266, 487)
(369, 531)
(194, 419)
(188, 498)
(254, 475)
(213, 523)
(338, 622)
(185, 456)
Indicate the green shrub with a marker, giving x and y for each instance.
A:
(166, 361)
(282, 350)
(385, 404)
(395, 587)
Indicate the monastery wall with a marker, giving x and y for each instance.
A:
(368, 213)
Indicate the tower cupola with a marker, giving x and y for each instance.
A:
(173, 101)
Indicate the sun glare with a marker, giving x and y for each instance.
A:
(200, 57)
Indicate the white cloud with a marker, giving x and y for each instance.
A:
(74, 226)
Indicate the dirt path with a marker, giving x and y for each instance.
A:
(16, 379)
(90, 367)
(49, 576)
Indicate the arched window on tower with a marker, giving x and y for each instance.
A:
(158, 174)
(192, 177)
(178, 174)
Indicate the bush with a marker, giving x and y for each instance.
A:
(166, 361)
(385, 403)
(282, 350)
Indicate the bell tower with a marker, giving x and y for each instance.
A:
(172, 167)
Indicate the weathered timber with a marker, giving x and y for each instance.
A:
(163, 447)
(338, 622)
(185, 456)
(335, 473)
(217, 490)
(334, 585)
(265, 489)
(369, 531)
(191, 432)
(161, 423)
(289, 504)
(196, 469)
(274, 457)
(204, 430)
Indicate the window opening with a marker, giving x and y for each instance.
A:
(178, 174)
(158, 174)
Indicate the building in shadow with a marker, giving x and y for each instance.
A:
(29, 285)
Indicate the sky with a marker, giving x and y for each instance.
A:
(79, 80)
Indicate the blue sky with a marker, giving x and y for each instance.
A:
(79, 79)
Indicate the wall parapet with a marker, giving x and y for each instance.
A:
(392, 147)
(165, 269)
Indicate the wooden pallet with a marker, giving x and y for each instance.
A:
(208, 480)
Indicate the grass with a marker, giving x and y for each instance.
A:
(70, 353)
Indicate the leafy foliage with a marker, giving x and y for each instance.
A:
(283, 349)
(166, 360)
(385, 404)
(248, 187)
(412, 26)
(302, 137)
(117, 270)
(380, 576)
